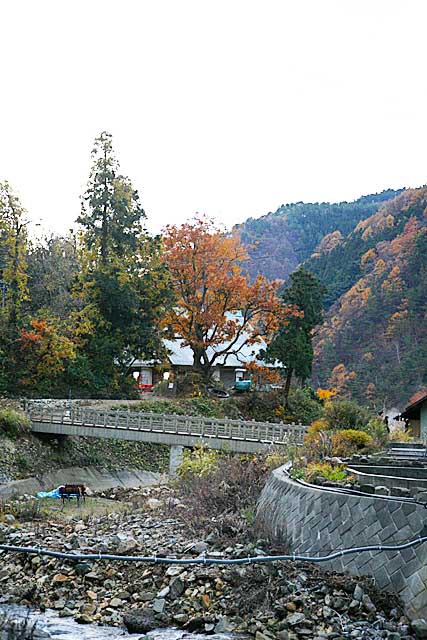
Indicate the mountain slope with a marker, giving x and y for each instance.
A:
(278, 242)
(373, 343)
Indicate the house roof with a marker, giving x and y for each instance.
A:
(412, 410)
(182, 356)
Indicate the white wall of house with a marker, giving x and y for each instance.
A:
(423, 419)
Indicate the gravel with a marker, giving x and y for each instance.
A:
(284, 600)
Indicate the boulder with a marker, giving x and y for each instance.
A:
(419, 627)
(381, 490)
(400, 492)
(367, 488)
(140, 620)
(176, 588)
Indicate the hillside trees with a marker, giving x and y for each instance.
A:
(53, 266)
(292, 344)
(44, 351)
(13, 244)
(122, 286)
(218, 312)
(13, 278)
(374, 336)
(278, 242)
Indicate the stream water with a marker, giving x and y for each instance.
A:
(50, 627)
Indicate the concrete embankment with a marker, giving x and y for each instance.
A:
(315, 522)
(95, 479)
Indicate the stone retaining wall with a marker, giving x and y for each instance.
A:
(411, 478)
(313, 521)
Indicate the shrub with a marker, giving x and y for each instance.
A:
(27, 511)
(400, 435)
(13, 423)
(346, 414)
(348, 441)
(303, 406)
(312, 434)
(276, 459)
(221, 496)
(269, 406)
(335, 473)
(198, 463)
(260, 406)
(318, 439)
(378, 431)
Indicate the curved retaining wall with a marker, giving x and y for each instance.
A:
(312, 521)
(412, 478)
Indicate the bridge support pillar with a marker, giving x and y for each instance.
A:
(175, 458)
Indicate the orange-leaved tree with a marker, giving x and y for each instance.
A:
(218, 311)
(44, 354)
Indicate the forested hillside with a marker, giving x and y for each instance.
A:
(278, 242)
(373, 343)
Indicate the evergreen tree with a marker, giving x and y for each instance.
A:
(292, 345)
(122, 286)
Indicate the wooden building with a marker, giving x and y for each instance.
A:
(415, 416)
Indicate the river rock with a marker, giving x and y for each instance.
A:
(381, 490)
(224, 625)
(419, 626)
(295, 618)
(159, 605)
(140, 620)
(82, 568)
(358, 593)
(8, 518)
(176, 588)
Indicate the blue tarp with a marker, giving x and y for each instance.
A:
(49, 494)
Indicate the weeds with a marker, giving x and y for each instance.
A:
(27, 511)
(13, 423)
(11, 629)
(220, 491)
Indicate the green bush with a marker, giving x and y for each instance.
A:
(346, 414)
(303, 406)
(260, 406)
(335, 473)
(197, 463)
(348, 441)
(13, 423)
(378, 432)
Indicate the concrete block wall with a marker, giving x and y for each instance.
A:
(312, 521)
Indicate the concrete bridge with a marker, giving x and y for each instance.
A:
(236, 436)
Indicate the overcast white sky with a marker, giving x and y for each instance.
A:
(229, 107)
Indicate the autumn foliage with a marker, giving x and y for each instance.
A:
(218, 311)
(44, 353)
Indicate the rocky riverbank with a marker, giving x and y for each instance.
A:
(286, 601)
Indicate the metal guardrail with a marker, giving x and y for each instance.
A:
(221, 428)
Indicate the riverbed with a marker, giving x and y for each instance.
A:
(50, 626)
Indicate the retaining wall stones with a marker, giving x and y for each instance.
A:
(412, 478)
(313, 521)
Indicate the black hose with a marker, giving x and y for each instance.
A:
(204, 560)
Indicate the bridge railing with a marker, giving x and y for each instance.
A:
(222, 428)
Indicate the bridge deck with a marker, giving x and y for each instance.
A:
(234, 435)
